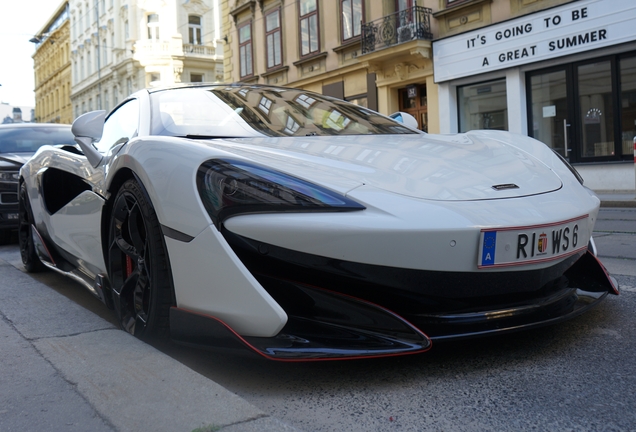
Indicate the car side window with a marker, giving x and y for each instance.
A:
(121, 124)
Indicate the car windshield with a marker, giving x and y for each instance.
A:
(30, 139)
(262, 111)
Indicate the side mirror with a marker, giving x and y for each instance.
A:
(405, 118)
(87, 129)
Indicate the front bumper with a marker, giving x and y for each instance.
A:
(342, 310)
(8, 206)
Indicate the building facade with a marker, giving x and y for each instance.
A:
(121, 46)
(563, 72)
(52, 68)
(375, 53)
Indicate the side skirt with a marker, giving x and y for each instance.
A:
(57, 263)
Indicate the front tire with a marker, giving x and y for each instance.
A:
(29, 256)
(138, 266)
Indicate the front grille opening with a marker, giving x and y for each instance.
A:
(8, 198)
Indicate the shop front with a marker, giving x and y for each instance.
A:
(565, 75)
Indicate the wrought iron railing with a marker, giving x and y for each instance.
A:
(403, 26)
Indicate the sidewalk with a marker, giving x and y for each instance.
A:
(66, 369)
(610, 199)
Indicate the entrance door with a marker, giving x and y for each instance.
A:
(572, 109)
(413, 101)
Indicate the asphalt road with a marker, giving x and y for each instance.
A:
(577, 375)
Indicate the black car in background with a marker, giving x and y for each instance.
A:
(18, 142)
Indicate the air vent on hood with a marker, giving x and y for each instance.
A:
(505, 186)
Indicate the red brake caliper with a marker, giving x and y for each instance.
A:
(129, 266)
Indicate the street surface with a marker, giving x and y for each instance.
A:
(578, 375)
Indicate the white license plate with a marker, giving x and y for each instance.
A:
(527, 245)
(12, 216)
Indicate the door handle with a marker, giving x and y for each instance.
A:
(566, 125)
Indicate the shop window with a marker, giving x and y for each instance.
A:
(194, 29)
(196, 78)
(273, 39)
(245, 50)
(585, 111)
(352, 16)
(596, 111)
(309, 33)
(628, 103)
(483, 106)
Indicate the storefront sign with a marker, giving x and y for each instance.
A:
(576, 27)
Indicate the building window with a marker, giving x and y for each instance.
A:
(89, 62)
(105, 51)
(194, 29)
(451, 3)
(305, 100)
(126, 31)
(88, 17)
(351, 12)
(483, 106)
(273, 39)
(153, 27)
(153, 79)
(265, 105)
(195, 78)
(309, 34)
(245, 49)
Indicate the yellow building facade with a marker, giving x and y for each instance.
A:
(52, 67)
(375, 53)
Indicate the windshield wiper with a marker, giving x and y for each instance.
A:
(208, 136)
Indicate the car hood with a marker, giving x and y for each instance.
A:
(436, 167)
(13, 160)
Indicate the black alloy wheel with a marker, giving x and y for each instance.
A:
(138, 266)
(25, 233)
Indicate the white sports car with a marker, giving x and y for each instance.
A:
(306, 228)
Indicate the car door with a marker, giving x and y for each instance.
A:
(75, 226)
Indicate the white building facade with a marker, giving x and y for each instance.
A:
(564, 75)
(121, 46)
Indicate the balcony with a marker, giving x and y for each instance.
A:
(406, 25)
(203, 51)
(148, 48)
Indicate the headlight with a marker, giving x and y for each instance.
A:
(570, 167)
(229, 187)
(9, 176)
